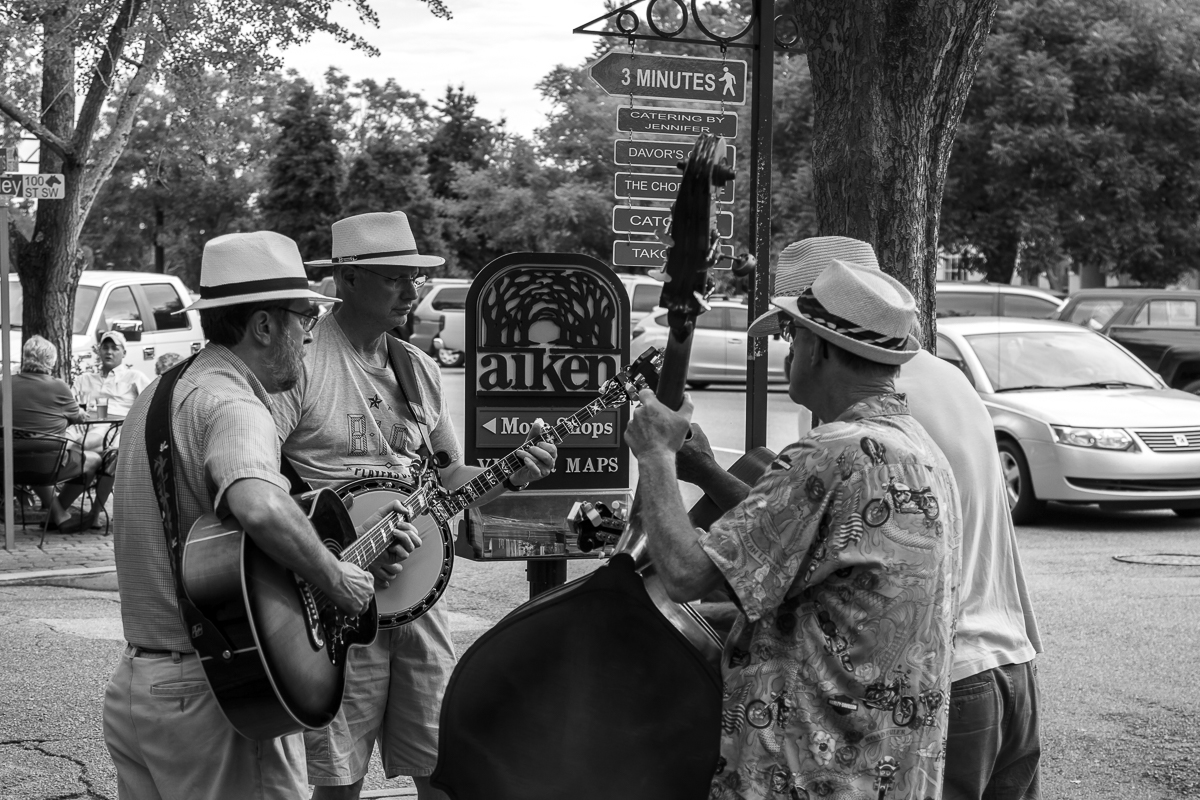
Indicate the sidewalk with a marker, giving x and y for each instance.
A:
(64, 553)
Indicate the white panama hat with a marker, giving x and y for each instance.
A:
(272, 258)
(799, 265)
(860, 309)
(376, 238)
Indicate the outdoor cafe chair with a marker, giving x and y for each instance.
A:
(43, 459)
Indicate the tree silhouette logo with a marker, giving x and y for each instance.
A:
(551, 308)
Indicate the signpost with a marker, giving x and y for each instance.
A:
(48, 186)
(689, 122)
(651, 221)
(645, 153)
(702, 80)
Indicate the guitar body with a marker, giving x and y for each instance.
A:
(427, 569)
(289, 643)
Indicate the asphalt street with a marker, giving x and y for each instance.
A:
(1120, 695)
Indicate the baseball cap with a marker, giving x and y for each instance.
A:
(115, 336)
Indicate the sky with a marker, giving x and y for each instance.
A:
(498, 50)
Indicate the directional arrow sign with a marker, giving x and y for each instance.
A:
(676, 121)
(656, 154)
(704, 80)
(652, 221)
(47, 186)
(653, 254)
(508, 427)
(657, 186)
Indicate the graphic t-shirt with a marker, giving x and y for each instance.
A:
(844, 559)
(347, 419)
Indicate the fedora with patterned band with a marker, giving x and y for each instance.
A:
(860, 309)
(377, 238)
(272, 258)
(799, 265)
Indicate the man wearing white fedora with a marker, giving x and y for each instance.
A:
(349, 417)
(993, 748)
(166, 733)
(842, 559)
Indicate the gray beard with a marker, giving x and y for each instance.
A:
(285, 363)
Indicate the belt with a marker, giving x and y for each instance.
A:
(133, 651)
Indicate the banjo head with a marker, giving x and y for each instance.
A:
(427, 569)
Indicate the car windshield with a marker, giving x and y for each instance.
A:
(1055, 360)
(85, 301)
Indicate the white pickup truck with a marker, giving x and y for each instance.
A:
(139, 304)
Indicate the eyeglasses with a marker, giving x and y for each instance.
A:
(308, 321)
(417, 281)
(787, 328)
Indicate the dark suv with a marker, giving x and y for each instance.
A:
(1159, 326)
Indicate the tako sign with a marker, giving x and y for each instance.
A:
(635, 153)
(705, 80)
(545, 332)
(650, 253)
(677, 121)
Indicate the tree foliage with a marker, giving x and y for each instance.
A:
(1081, 141)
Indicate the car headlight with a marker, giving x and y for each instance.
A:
(1102, 438)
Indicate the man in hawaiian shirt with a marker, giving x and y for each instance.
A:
(843, 560)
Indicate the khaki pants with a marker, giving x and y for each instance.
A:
(168, 738)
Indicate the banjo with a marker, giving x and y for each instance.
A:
(431, 507)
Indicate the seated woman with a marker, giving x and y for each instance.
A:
(44, 404)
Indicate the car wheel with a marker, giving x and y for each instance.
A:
(1022, 502)
(451, 358)
(1187, 513)
(1193, 387)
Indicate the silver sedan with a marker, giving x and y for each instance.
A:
(1077, 418)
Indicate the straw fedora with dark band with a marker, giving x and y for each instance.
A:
(799, 265)
(376, 238)
(275, 258)
(860, 309)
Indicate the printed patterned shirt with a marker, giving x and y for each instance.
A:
(844, 559)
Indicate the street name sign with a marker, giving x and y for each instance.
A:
(12, 161)
(653, 254)
(45, 186)
(703, 80)
(657, 186)
(689, 122)
(652, 221)
(629, 152)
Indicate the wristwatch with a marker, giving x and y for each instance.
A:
(512, 487)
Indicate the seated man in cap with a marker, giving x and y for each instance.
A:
(163, 726)
(348, 417)
(116, 382)
(843, 561)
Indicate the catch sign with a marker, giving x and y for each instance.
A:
(704, 80)
(545, 334)
(47, 186)
(629, 152)
(651, 221)
(654, 254)
(689, 122)
(657, 186)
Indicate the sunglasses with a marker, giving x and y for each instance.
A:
(787, 328)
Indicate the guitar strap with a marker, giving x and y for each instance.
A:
(401, 361)
(160, 446)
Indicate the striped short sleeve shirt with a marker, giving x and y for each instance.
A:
(223, 430)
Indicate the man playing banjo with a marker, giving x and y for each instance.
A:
(349, 418)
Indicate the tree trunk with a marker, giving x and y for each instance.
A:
(889, 82)
(48, 264)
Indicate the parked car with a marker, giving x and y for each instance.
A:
(718, 345)
(1078, 419)
(644, 293)
(439, 320)
(981, 299)
(139, 304)
(1159, 326)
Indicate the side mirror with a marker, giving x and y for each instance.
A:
(131, 329)
(1094, 324)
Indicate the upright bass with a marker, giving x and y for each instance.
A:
(604, 688)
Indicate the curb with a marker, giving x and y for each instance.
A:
(74, 572)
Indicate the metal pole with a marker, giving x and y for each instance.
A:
(763, 72)
(6, 357)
